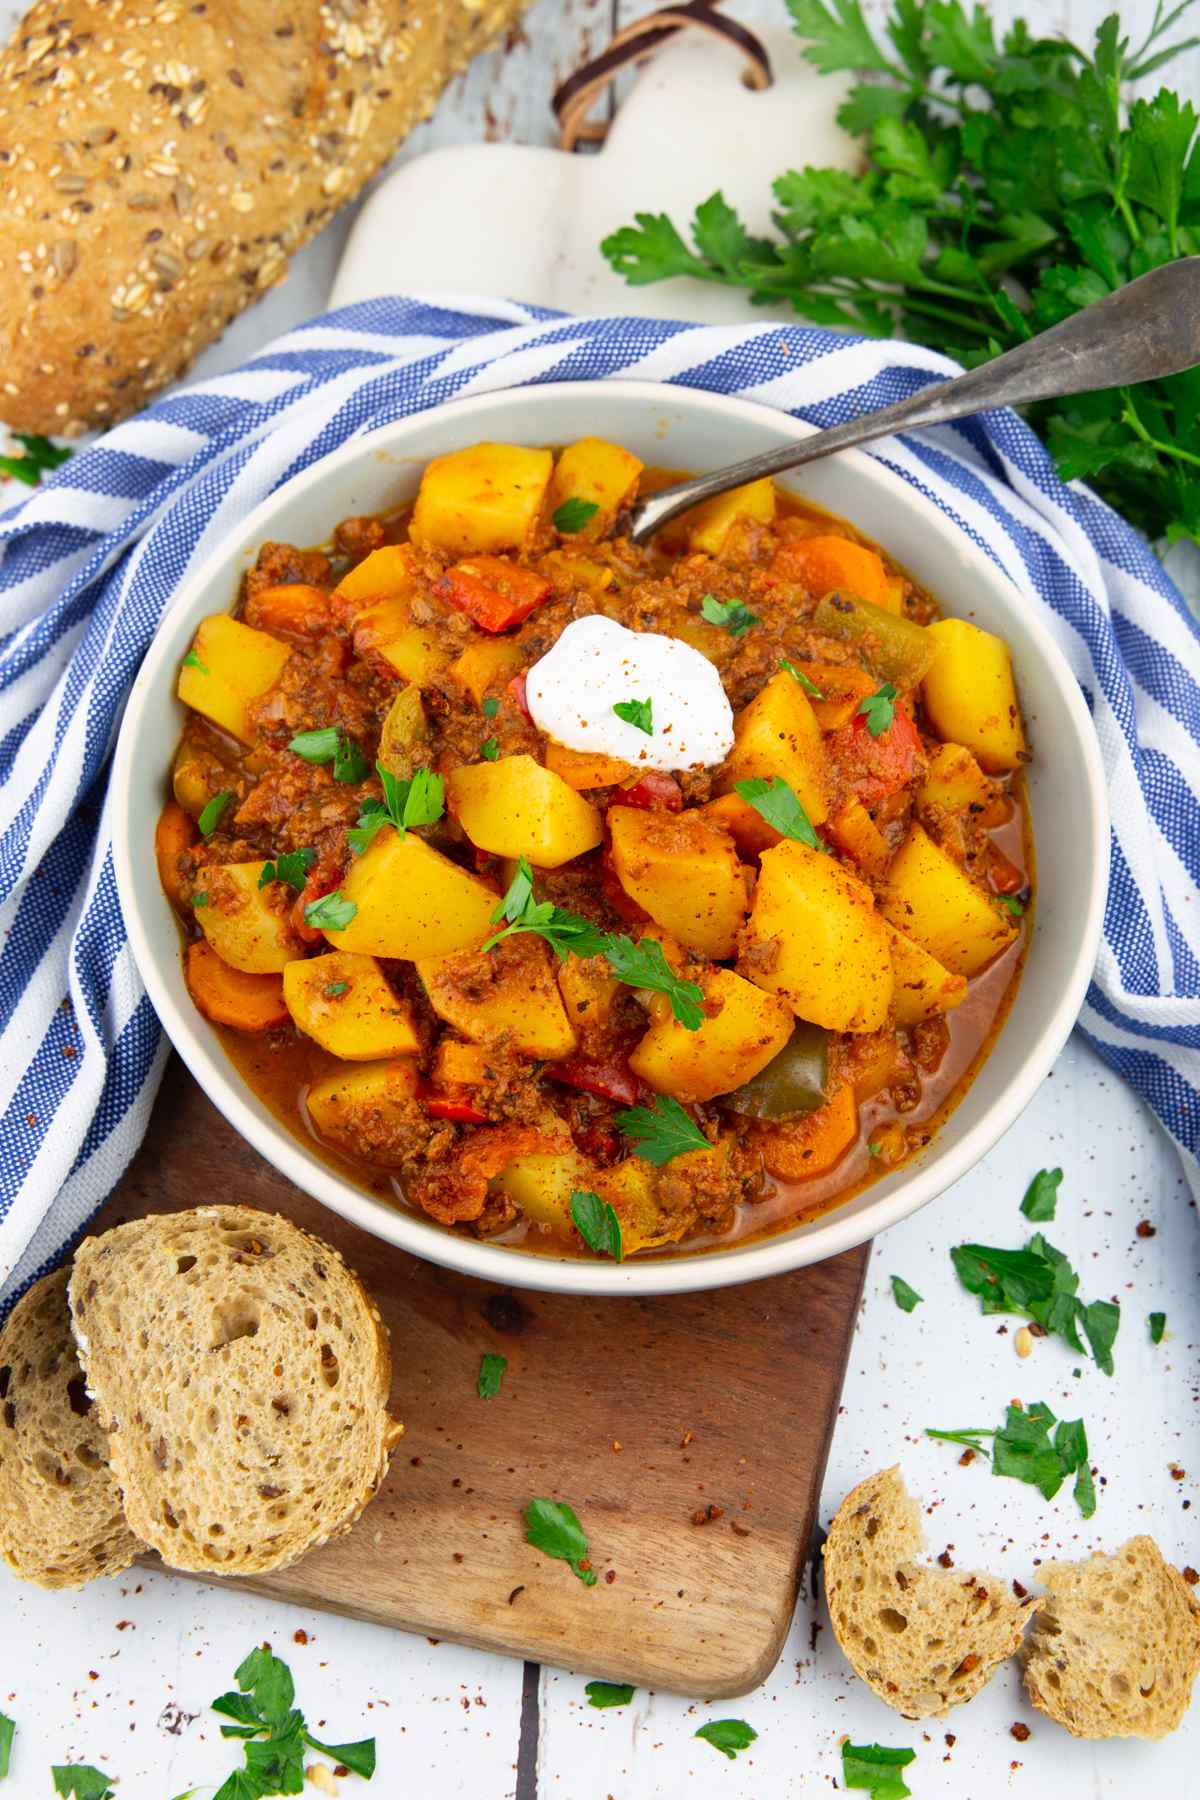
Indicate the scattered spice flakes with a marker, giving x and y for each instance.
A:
(1190, 1575)
(1020, 1591)
(1177, 1474)
(945, 1560)
(966, 1459)
(300, 1636)
(1146, 1230)
(738, 1529)
(1020, 1731)
(689, 1437)
(515, 1592)
(704, 1515)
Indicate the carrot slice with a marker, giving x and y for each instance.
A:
(809, 1146)
(826, 563)
(175, 832)
(294, 606)
(230, 997)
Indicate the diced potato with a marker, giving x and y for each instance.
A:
(970, 695)
(798, 1149)
(589, 990)
(893, 595)
(363, 1108)
(583, 769)
(412, 901)
(630, 1188)
(487, 497)
(730, 1047)
(815, 939)
(404, 732)
(241, 922)
(566, 571)
(344, 1002)
(486, 667)
(709, 524)
(384, 574)
(231, 665)
(515, 807)
(456, 1064)
(931, 899)
(542, 1185)
(190, 782)
(923, 987)
(857, 836)
(843, 687)
(412, 650)
(954, 780)
(744, 823)
(508, 994)
(599, 472)
(683, 873)
(228, 997)
(777, 735)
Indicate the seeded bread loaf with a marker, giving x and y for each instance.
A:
(924, 1639)
(61, 1522)
(242, 1375)
(161, 161)
(1115, 1644)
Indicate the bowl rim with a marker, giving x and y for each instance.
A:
(839, 1230)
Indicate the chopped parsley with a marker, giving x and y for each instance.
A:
(316, 746)
(809, 687)
(1039, 1282)
(551, 1526)
(573, 515)
(878, 709)
(213, 813)
(200, 899)
(491, 707)
(1041, 1196)
(491, 1374)
(660, 1131)
(644, 965)
(80, 1781)
(1011, 905)
(609, 1693)
(292, 867)
(489, 751)
(420, 800)
(638, 713)
(330, 912)
(906, 1297)
(562, 930)
(41, 456)
(350, 764)
(274, 1733)
(1023, 1449)
(335, 990)
(597, 1224)
(192, 661)
(776, 802)
(7, 1732)
(877, 1769)
(731, 615)
(1158, 1324)
(727, 1735)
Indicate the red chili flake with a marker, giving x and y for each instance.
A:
(610, 1575)
(1191, 1576)
(1019, 1591)
(68, 1049)
(300, 1637)
(1020, 1731)
(966, 1459)
(704, 1515)
(945, 1560)
(1146, 1229)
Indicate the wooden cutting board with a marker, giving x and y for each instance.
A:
(642, 1414)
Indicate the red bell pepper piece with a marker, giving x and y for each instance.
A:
(653, 790)
(494, 593)
(608, 1077)
(441, 1106)
(598, 1144)
(519, 697)
(874, 767)
(1004, 877)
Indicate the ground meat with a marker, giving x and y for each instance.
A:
(277, 564)
(356, 538)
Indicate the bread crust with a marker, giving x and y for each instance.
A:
(162, 160)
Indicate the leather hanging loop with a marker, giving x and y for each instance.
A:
(578, 94)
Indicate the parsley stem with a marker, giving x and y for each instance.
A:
(1139, 430)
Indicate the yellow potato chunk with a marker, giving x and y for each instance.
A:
(857, 836)
(708, 525)
(515, 807)
(954, 779)
(589, 990)
(631, 1189)
(731, 1046)
(508, 994)
(412, 901)
(815, 939)
(344, 1003)
(412, 650)
(970, 695)
(683, 873)
(777, 735)
(384, 574)
(363, 1109)
(542, 1185)
(931, 899)
(487, 497)
(241, 920)
(404, 732)
(602, 474)
(232, 665)
(923, 987)
(486, 667)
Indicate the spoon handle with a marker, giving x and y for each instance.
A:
(1148, 329)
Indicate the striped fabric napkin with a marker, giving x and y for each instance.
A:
(92, 558)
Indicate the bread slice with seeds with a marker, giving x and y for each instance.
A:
(925, 1639)
(242, 1374)
(1115, 1644)
(61, 1522)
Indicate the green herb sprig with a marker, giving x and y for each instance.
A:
(809, 687)
(419, 800)
(40, 458)
(8, 1731)
(781, 807)
(727, 1735)
(274, 1733)
(1023, 1449)
(292, 867)
(661, 1131)
(491, 1374)
(1040, 1283)
(731, 615)
(329, 746)
(876, 1768)
(573, 515)
(906, 1298)
(552, 1527)
(597, 1224)
(82, 1781)
(879, 709)
(609, 1693)
(638, 713)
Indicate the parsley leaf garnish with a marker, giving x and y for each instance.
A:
(490, 750)
(330, 912)
(1158, 1324)
(660, 1131)
(210, 818)
(877, 1769)
(7, 1732)
(878, 709)
(809, 687)
(316, 746)
(1014, 907)
(562, 930)
(609, 1693)
(418, 801)
(274, 1733)
(491, 1374)
(638, 713)
(41, 456)
(727, 1735)
(573, 515)
(80, 1781)
(335, 989)
(1039, 1282)
(200, 899)
(906, 1297)
(491, 706)
(1041, 1196)
(1023, 1449)
(780, 807)
(350, 765)
(551, 1526)
(192, 661)
(292, 867)
(731, 615)
(597, 1224)
(644, 965)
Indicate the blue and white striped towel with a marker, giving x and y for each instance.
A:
(92, 558)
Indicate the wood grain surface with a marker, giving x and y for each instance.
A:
(642, 1414)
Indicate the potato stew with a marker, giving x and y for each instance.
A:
(596, 899)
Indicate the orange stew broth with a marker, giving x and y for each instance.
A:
(281, 1064)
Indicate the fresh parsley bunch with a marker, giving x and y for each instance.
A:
(1006, 187)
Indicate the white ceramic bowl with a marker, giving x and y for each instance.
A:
(681, 428)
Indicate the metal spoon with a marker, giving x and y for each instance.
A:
(1147, 329)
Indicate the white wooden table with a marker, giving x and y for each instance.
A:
(111, 1676)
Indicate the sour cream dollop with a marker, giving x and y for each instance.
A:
(597, 663)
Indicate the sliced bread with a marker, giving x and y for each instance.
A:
(923, 1638)
(1115, 1644)
(61, 1522)
(242, 1375)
